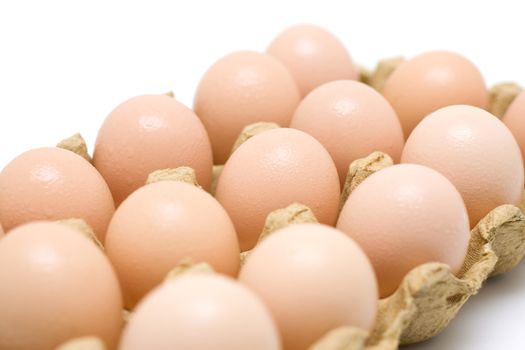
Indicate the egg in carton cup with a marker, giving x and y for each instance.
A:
(429, 296)
(500, 95)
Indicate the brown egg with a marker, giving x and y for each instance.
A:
(1, 231)
(313, 279)
(404, 216)
(147, 133)
(56, 285)
(430, 81)
(271, 171)
(201, 312)
(53, 184)
(240, 89)
(161, 224)
(514, 119)
(475, 151)
(313, 55)
(351, 120)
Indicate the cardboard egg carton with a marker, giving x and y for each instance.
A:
(430, 295)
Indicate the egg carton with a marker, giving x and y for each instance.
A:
(430, 295)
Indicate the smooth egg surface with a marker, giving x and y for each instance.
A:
(56, 285)
(475, 151)
(162, 224)
(313, 55)
(404, 216)
(430, 81)
(240, 89)
(196, 312)
(514, 119)
(313, 279)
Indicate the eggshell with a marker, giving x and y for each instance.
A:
(514, 119)
(201, 312)
(1, 231)
(161, 224)
(313, 279)
(404, 216)
(430, 81)
(313, 55)
(475, 151)
(55, 285)
(240, 89)
(351, 120)
(147, 133)
(53, 184)
(271, 171)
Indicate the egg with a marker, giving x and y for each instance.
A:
(514, 119)
(240, 89)
(404, 216)
(351, 120)
(201, 312)
(430, 81)
(161, 224)
(147, 133)
(313, 279)
(1, 231)
(56, 285)
(313, 55)
(271, 171)
(475, 151)
(53, 184)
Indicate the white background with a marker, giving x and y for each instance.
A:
(65, 65)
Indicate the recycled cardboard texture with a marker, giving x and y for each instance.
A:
(84, 343)
(501, 96)
(360, 169)
(181, 174)
(251, 130)
(295, 213)
(187, 267)
(76, 144)
(384, 68)
(81, 226)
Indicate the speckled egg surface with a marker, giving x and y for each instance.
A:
(53, 184)
(271, 171)
(351, 120)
